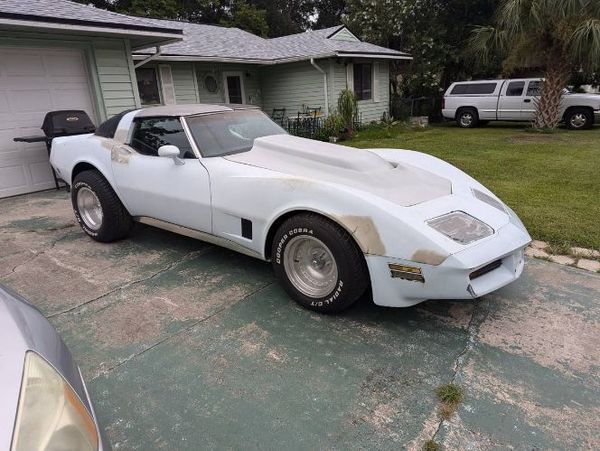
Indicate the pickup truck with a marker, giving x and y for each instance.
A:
(473, 103)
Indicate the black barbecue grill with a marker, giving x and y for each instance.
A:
(60, 123)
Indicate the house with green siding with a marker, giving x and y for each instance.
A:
(217, 64)
(57, 54)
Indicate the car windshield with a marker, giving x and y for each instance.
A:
(231, 132)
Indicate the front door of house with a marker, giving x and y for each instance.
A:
(234, 87)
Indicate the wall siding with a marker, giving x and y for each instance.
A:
(344, 35)
(117, 85)
(291, 86)
(368, 109)
(250, 74)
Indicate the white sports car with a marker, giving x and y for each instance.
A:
(333, 220)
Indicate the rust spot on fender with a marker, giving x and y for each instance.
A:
(364, 231)
(428, 257)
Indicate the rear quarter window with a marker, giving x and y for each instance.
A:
(474, 88)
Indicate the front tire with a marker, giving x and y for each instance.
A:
(97, 208)
(579, 118)
(318, 263)
(467, 118)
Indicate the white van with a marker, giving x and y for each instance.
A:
(473, 103)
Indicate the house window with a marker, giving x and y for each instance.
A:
(147, 82)
(363, 81)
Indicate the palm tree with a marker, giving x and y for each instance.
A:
(562, 36)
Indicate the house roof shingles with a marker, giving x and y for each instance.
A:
(211, 41)
(65, 11)
(199, 40)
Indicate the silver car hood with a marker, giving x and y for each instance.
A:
(24, 328)
(401, 184)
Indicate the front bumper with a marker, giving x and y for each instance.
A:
(468, 274)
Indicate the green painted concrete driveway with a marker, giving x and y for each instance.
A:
(189, 346)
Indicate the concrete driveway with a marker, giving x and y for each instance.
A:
(189, 346)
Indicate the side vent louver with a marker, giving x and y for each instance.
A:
(247, 228)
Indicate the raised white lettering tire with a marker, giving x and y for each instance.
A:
(318, 263)
(97, 208)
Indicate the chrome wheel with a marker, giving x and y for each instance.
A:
(578, 120)
(89, 208)
(466, 119)
(310, 266)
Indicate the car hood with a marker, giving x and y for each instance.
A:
(401, 184)
(24, 328)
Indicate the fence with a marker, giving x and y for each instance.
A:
(311, 127)
(404, 108)
(306, 127)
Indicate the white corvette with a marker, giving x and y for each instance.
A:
(333, 220)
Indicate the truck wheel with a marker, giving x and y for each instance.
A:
(467, 118)
(97, 208)
(318, 263)
(579, 118)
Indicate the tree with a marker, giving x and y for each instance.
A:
(561, 36)
(329, 13)
(286, 16)
(161, 9)
(434, 32)
(248, 18)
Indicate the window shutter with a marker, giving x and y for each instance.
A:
(376, 94)
(350, 76)
(166, 81)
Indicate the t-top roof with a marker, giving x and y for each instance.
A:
(190, 110)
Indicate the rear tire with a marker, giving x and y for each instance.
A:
(579, 118)
(467, 118)
(318, 263)
(97, 208)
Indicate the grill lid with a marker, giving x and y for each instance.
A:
(66, 123)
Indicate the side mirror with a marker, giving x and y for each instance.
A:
(171, 152)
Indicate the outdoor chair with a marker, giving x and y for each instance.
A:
(278, 115)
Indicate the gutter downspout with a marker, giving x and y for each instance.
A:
(316, 66)
(150, 58)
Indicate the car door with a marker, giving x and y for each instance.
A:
(530, 100)
(511, 101)
(158, 187)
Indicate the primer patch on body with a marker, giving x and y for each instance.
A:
(366, 234)
(428, 257)
(121, 135)
(119, 156)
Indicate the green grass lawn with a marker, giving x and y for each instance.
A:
(551, 180)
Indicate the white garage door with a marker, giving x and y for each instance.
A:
(34, 81)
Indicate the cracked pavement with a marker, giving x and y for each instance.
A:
(186, 346)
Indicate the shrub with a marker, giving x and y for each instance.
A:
(348, 109)
(334, 125)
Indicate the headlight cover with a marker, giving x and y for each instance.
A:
(461, 227)
(50, 415)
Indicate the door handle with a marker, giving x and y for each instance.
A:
(527, 100)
